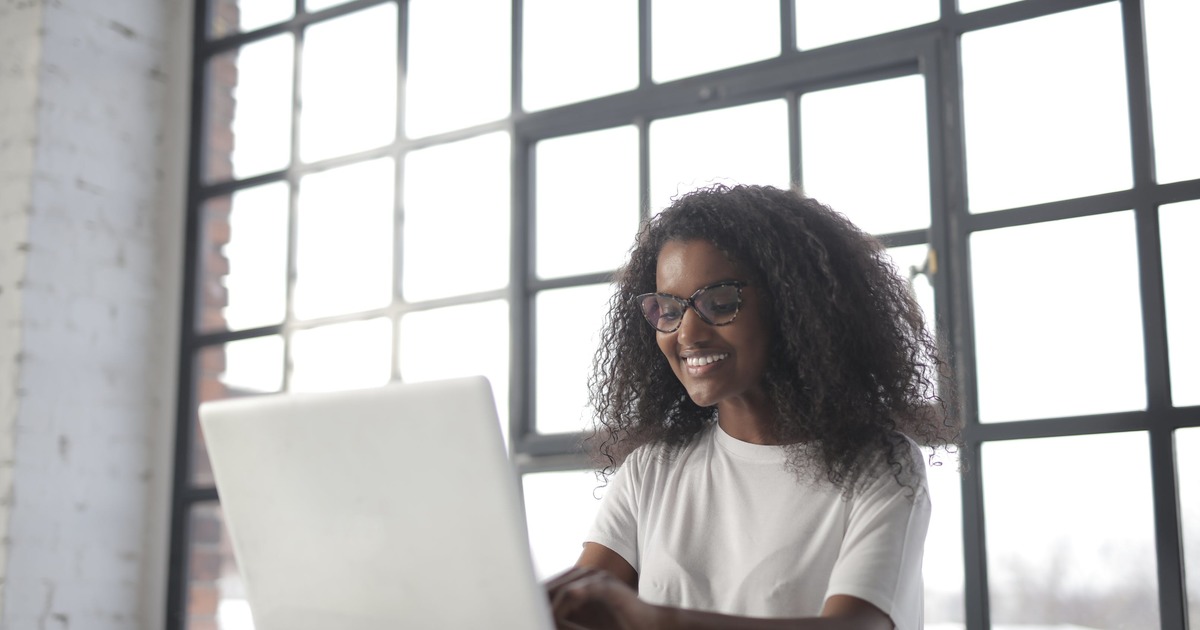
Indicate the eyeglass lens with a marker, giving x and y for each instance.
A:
(716, 305)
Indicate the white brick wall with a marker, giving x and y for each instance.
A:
(91, 164)
(19, 47)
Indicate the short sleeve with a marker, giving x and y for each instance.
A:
(616, 522)
(881, 554)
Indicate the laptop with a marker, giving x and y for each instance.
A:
(376, 509)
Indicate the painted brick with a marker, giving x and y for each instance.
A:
(90, 182)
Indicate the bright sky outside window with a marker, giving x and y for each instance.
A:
(560, 508)
(1180, 223)
(344, 239)
(262, 107)
(1174, 95)
(586, 233)
(459, 66)
(746, 145)
(1058, 324)
(317, 5)
(966, 6)
(575, 50)
(864, 152)
(905, 260)
(568, 324)
(342, 356)
(1187, 458)
(684, 32)
(821, 23)
(254, 365)
(1046, 121)
(331, 96)
(1062, 514)
(256, 278)
(456, 243)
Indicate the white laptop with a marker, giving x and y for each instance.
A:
(374, 509)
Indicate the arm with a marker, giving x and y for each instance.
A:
(841, 612)
(597, 556)
(600, 593)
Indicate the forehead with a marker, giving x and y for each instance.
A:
(685, 266)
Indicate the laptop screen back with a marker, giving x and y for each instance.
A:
(388, 508)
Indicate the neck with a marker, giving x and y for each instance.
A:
(748, 421)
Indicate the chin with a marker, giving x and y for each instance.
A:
(704, 399)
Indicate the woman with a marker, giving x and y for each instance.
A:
(760, 367)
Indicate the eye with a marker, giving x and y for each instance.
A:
(669, 310)
(720, 301)
(719, 307)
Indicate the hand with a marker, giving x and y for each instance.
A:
(593, 599)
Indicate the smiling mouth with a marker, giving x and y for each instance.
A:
(704, 360)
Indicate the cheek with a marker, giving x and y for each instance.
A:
(758, 347)
(666, 345)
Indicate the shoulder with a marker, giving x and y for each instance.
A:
(902, 467)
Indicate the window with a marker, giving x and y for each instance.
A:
(369, 175)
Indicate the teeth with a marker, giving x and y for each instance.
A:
(699, 361)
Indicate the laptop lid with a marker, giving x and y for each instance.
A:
(390, 508)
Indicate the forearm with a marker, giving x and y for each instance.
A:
(681, 619)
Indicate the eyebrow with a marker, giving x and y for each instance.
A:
(707, 286)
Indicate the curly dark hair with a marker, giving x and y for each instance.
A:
(851, 366)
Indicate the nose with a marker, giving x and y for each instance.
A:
(692, 329)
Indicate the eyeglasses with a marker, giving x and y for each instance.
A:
(716, 304)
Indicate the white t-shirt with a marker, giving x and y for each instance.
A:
(724, 527)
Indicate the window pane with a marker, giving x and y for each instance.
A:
(348, 86)
(342, 356)
(605, 165)
(229, 17)
(1058, 324)
(344, 240)
(234, 370)
(1173, 56)
(568, 332)
(820, 23)
(943, 570)
(746, 145)
(1187, 462)
(243, 261)
(459, 341)
(1046, 121)
(215, 592)
(872, 132)
(1179, 224)
(966, 6)
(696, 36)
(560, 508)
(1070, 531)
(456, 243)
(459, 68)
(910, 262)
(249, 112)
(313, 6)
(567, 65)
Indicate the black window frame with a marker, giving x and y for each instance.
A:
(932, 51)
